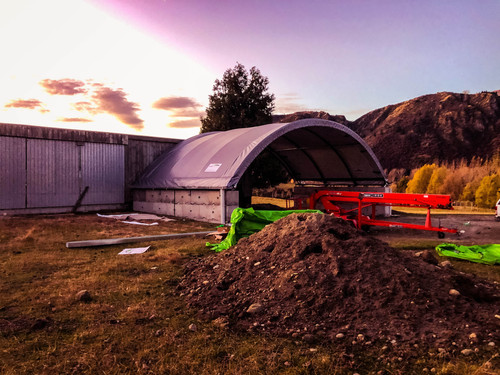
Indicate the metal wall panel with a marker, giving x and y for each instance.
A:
(41, 168)
(12, 172)
(103, 171)
(52, 173)
(139, 154)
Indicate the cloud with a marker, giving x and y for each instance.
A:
(27, 104)
(179, 106)
(174, 102)
(182, 124)
(100, 99)
(63, 86)
(187, 112)
(287, 104)
(86, 107)
(115, 103)
(73, 119)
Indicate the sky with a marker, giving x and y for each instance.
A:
(147, 67)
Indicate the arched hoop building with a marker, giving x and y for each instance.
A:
(201, 177)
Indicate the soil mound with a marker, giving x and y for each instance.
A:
(316, 277)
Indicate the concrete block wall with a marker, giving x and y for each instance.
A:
(201, 205)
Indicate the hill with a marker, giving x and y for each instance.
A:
(442, 127)
(311, 114)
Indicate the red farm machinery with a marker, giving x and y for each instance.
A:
(335, 203)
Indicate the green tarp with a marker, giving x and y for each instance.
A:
(246, 221)
(487, 254)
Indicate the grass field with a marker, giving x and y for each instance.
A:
(136, 323)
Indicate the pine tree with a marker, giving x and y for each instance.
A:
(239, 100)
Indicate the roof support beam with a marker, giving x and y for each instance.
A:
(286, 165)
(307, 155)
(332, 147)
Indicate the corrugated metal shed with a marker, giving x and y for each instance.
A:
(52, 173)
(103, 170)
(12, 172)
(46, 170)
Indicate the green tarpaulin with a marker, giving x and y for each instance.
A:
(487, 254)
(246, 221)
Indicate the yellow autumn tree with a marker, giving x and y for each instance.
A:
(469, 192)
(420, 181)
(487, 193)
(436, 181)
(454, 184)
(400, 185)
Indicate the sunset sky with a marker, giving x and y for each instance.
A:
(147, 67)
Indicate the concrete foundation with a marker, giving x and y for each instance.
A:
(201, 205)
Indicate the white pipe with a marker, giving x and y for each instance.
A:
(117, 241)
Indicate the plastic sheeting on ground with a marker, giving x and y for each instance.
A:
(133, 217)
(487, 254)
(246, 221)
(136, 250)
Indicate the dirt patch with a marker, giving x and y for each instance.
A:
(474, 229)
(23, 324)
(317, 278)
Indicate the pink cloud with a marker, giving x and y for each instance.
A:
(193, 123)
(187, 112)
(99, 99)
(288, 103)
(85, 107)
(174, 102)
(73, 119)
(179, 106)
(63, 86)
(27, 104)
(115, 103)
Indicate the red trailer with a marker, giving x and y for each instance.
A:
(330, 199)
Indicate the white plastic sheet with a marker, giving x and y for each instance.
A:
(136, 250)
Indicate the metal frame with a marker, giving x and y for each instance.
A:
(330, 199)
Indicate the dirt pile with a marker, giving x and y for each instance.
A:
(316, 277)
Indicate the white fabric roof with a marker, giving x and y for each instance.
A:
(312, 150)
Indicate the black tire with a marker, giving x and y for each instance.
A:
(440, 235)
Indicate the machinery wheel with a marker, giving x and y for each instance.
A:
(440, 235)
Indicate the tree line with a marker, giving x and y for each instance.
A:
(477, 181)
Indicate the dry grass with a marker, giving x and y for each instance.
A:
(136, 322)
(283, 203)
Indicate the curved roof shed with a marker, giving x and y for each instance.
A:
(312, 150)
